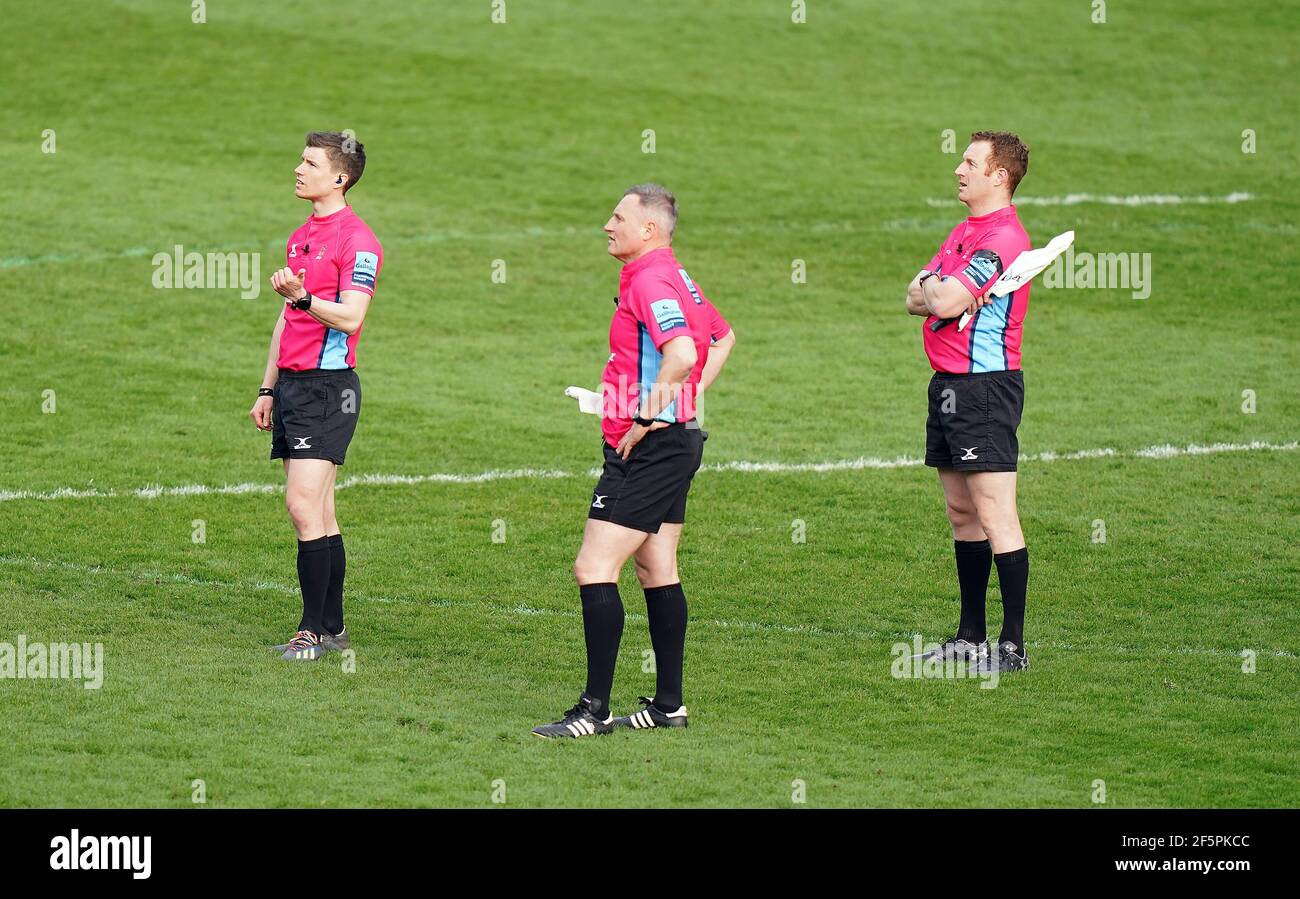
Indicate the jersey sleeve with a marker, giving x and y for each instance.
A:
(360, 263)
(658, 305)
(994, 252)
(718, 326)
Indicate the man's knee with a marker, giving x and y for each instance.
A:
(303, 508)
(590, 570)
(656, 572)
(998, 519)
(962, 514)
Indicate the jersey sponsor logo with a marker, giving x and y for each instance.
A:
(668, 315)
(690, 285)
(982, 267)
(293, 250)
(364, 269)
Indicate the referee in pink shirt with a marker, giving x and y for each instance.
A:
(667, 344)
(977, 393)
(310, 395)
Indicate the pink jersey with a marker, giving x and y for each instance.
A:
(657, 302)
(976, 253)
(339, 253)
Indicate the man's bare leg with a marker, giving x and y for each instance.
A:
(656, 568)
(332, 617)
(974, 560)
(606, 547)
(308, 483)
(994, 494)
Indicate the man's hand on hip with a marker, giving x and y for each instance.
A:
(633, 437)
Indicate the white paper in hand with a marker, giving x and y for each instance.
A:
(588, 401)
(1024, 269)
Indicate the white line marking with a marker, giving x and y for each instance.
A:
(1113, 200)
(446, 235)
(152, 576)
(1162, 451)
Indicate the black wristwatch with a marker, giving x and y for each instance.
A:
(304, 303)
(265, 391)
(643, 422)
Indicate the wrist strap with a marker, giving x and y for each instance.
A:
(265, 391)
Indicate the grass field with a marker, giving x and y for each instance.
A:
(819, 142)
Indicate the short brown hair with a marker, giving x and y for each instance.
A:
(343, 151)
(1008, 153)
(659, 198)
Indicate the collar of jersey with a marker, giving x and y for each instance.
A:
(657, 253)
(335, 216)
(1004, 212)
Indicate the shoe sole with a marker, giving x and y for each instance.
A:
(627, 723)
(985, 669)
(282, 648)
(302, 658)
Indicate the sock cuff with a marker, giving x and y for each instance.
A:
(599, 594)
(1016, 555)
(653, 593)
(320, 544)
(972, 546)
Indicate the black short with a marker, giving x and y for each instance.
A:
(650, 488)
(973, 420)
(315, 414)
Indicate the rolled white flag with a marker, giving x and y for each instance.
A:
(1024, 269)
(588, 401)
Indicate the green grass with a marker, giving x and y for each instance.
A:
(818, 142)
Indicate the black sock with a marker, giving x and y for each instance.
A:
(974, 562)
(602, 624)
(666, 609)
(1013, 576)
(332, 616)
(313, 580)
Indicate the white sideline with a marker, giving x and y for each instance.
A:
(1162, 451)
(152, 576)
(1113, 200)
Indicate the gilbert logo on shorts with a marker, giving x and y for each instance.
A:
(78, 853)
(302, 443)
(970, 453)
(599, 502)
